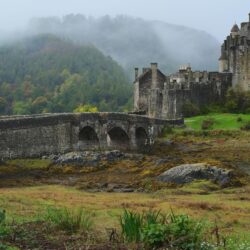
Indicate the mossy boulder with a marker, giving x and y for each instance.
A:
(187, 173)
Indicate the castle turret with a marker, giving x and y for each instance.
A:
(235, 31)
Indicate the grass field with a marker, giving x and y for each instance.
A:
(229, 208)
(221, 121)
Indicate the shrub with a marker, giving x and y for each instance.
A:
(152, 217)
(190, 109)
(154, 235)
(185, 233)
(2, 216)
(239, 119)
(71, 221)
(246, 126)
(207, 124)
(167, 130)
(4, 230)
(155, 230)
(237, 101)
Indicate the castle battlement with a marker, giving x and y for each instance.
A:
(163, 96)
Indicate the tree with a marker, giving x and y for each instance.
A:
(85, 108)
(47, 74)
(39, 104)
(21, 108)
(3, 105)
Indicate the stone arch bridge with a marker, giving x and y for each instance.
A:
(37, 135)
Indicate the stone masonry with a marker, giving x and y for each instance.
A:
(38, 135)
(235, 55)
(161, 96)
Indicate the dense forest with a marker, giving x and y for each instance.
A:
(45, 73)
(136, 42)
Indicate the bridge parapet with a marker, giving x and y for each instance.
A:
(37, 135)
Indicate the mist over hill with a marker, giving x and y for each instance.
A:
(45, 73)
(59, 64)
(136, 42)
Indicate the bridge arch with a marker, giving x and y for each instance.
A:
(118, 138)
(88, 138)
(141, 137)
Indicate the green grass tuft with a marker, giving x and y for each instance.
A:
(71, 221)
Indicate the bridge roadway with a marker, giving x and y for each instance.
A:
(38, 135)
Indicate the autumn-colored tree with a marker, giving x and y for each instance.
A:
(86, 108)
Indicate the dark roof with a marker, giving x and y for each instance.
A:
(147, 71)
(143, 74)
(235, 28)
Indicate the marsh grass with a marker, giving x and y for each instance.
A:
(154, 229)
(70, 220)
(131, 225)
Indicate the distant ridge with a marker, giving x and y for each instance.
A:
(134, 41)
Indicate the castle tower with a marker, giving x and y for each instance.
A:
(235, 55)
(235, 31)
(148, 88)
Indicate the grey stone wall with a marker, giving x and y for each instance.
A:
(34, 136)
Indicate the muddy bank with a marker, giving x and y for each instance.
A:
(115, 171)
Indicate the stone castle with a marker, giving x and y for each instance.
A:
(160, 96)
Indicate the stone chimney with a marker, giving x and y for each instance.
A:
(136, 73)
(154, 68)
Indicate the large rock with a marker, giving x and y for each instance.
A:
(187, 173)
(91, 158)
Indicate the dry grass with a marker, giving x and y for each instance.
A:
(30, 186)
(228, 210)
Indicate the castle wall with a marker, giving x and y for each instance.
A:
(25, 137)
(144, 87)
(36, 141)
(213, 90)
(173, 102)
(244, 72)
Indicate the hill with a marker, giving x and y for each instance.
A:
(45, 73)
(135, 42)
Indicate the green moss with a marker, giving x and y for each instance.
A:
(30, 163)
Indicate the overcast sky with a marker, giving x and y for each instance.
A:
(213, 16)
